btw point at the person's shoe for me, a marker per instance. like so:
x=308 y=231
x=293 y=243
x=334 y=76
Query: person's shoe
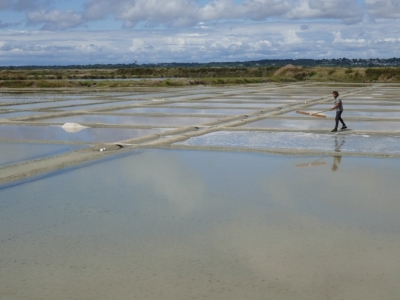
x=344 y=127
x=334 y=130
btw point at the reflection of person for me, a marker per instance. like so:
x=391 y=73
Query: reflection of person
x=337 y=159
x=336 y=162
x=339 y=110
x=338 y=145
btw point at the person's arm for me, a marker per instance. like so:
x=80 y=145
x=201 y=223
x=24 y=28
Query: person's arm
x=336 y=105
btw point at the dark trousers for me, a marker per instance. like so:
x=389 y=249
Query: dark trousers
x=339 y=118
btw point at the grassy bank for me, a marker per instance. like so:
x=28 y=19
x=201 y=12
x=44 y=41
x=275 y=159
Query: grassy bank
x=64 y=78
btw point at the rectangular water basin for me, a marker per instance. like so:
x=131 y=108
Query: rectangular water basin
x=101 y=105
x=298 y=140
x=133 y=120
x=249 y=100
x=189 y=97
x=28 y=97
x=178 y=110
x=353 y=113
x=186 y=224
x=318 y=123
x=147 y=96
x=228 y=105
x=288 y=96
x=374 y=101
x=21 y=114
x=57 y=133
x=50 y=104
x=354 y=106
x=13 y=153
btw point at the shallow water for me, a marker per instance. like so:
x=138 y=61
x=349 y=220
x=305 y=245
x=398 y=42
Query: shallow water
x=27 y=97
x=133 y=120
x=178 y=110
x=12 y=153
x=140 y=96
x=50 y=104
x=322 y=123
x=355 y=106
x=21 y=114
x=353 y=113
x=374 y=100
x=299 y=140
x=249 y=99
x=228 y=105
x=56 y=133
x=235 y=92
x=102 y=105
x=192 y=224
x=286 y=96
x=188 y=97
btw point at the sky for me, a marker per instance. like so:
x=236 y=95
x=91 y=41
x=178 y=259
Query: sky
x=65 y=32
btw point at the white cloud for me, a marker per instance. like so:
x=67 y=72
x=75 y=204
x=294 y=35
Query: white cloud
x=291 y=37
x=219 y=9
x=171 y=12
x=187 y=13
x=226 y=43
x=391 y=40
x=263 y=9
x=354 y=42
x=346 y=10
x=137 y=45
x=90 y=48
x=207 y=41
x=97 y=9
x=261 y=45
x=383 y=8
x=55 y=19
x=16 y=50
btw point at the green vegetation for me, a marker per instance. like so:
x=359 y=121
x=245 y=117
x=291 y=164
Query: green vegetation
x=181 y=76
x=383 y=74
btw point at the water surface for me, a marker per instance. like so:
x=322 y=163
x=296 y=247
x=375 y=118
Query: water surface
x=21 y=114
x=133 y=120
x=299 y=140
x=322 y=123
x=57 y=133
x=50 y=104
x=12 y=153
x=228 y=105
x=101 y=105
x=354 y=113
x=191 y=224
x=178 y=110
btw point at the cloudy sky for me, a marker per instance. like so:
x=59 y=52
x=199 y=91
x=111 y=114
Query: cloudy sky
x=62 y=32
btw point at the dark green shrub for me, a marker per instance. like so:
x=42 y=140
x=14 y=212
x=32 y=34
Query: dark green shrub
x=16 y=83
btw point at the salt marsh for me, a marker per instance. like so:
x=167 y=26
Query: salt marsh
x=194 y=197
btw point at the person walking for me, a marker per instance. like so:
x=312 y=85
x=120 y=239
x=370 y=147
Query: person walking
x=339 y=110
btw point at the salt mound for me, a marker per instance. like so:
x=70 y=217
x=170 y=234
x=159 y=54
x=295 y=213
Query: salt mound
x=73 y=127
